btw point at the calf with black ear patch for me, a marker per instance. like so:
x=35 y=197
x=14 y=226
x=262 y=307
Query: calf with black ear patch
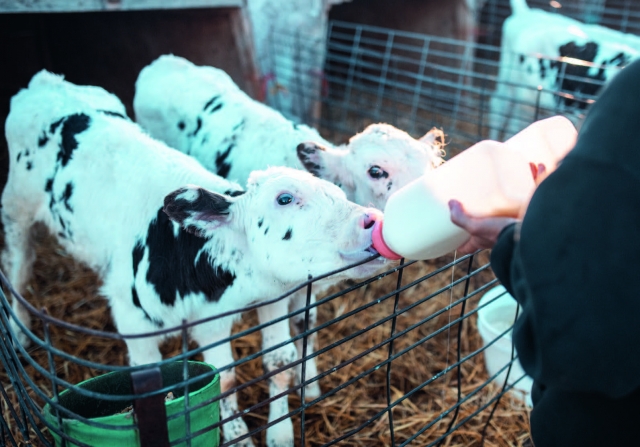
x=174 y=252
x=275 y=256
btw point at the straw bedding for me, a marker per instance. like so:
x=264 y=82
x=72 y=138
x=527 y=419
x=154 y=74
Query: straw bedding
x=68 y=291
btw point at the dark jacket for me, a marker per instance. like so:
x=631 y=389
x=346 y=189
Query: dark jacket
x=574 y=267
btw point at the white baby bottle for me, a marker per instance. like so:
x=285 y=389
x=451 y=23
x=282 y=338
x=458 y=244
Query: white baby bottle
x=489 y=179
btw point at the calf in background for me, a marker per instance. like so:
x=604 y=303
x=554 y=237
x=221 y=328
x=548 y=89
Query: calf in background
x=552 y=64
x=169 y=239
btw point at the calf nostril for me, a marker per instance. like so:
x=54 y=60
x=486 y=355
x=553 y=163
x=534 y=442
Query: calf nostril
x=369 y=221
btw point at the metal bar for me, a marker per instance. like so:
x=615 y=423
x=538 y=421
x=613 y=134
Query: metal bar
x=383 y=72
x=418 y=89
x=185 y=378
x=390 y=353
x=303 y=367
x=52 y=371
x=355 y=48
x=150 y=412
x=459 y=350
x=30 y=6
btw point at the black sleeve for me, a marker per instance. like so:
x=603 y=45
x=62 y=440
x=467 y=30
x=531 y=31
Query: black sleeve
x=502 y=255
x=575 y=271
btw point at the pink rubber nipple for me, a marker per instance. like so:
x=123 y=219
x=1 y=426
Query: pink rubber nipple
x=379 y=244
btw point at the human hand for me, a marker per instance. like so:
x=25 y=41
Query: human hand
x=484 y=231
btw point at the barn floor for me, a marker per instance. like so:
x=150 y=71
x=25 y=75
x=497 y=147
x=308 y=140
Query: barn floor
x=69 y=291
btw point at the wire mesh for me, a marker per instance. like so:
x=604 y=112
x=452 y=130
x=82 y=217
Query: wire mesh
x=416 y=82
x=412 y=307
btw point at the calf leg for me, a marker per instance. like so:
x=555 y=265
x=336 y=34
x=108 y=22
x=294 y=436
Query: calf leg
x=221 y=356
x=17 y=260
x=130 y=320
x=280 y=434
x=299 y=301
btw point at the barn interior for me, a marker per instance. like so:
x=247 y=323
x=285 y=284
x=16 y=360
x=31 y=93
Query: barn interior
x=401 y=359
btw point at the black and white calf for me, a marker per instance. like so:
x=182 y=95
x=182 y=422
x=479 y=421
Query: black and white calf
x=557 y=54
x=171 y=240
x=202 y=112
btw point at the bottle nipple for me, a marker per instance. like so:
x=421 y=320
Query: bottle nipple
x=379 y=244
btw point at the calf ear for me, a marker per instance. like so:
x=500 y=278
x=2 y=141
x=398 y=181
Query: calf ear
x=433 y=137
x=312 y=157
x=197 y=210
x=435 y=140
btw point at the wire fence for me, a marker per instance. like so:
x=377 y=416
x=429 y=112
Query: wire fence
x=377 y=326
x=416 y=82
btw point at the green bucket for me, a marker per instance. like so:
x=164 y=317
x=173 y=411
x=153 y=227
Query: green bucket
x=110 y=412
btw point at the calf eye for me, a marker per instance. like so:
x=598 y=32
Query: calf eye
x=377 y=172
x=284 y=199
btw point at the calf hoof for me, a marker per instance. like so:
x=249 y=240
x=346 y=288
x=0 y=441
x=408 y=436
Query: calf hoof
x=281 y=434
x=244 y=443
x=280 y=441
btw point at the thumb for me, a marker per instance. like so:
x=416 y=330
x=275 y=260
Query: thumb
x=458 y=215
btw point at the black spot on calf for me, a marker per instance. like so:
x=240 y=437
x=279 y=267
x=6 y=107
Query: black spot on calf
x=234 y=193
x=287 y=235
x=211 y=101
x=181 y=125
x=72 y=126
x=576 y=78
x=55 y=124
x=260 y=222
x=43 y=139
x=197 y=129
x=112 y=113
x=543 y=68
x=620 y=60
x=137 y=254
x=222 y=167
x=66 y=195
x=29 y=166
x=136 y=302
x=214 y=104
x=179 y=266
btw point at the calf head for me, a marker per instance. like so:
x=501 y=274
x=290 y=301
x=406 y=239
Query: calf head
x=287 y=226
x=375 y=163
